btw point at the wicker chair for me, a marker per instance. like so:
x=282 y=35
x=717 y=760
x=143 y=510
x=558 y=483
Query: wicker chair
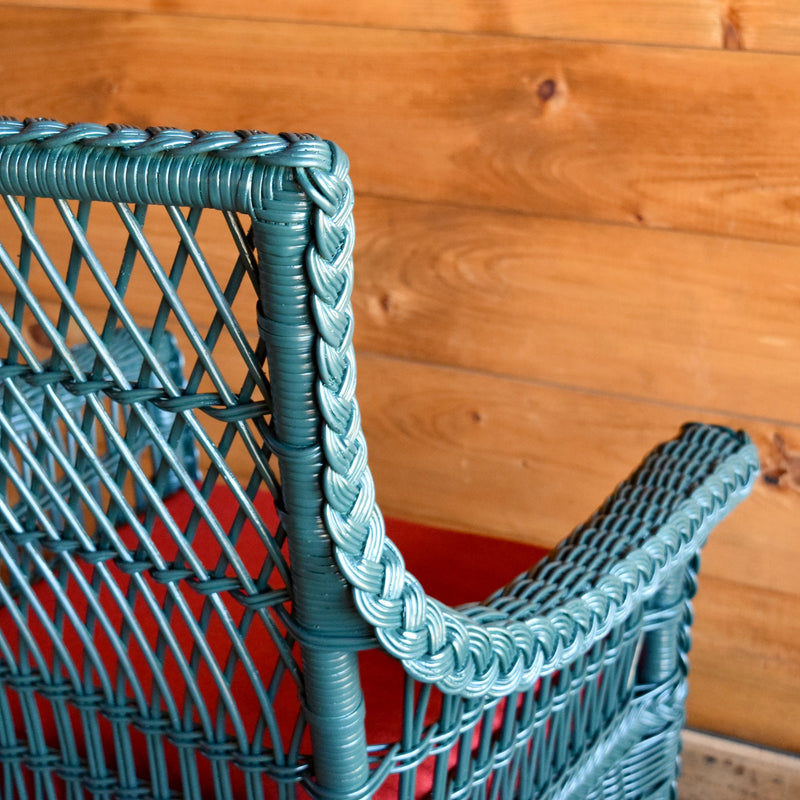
x=199 y=596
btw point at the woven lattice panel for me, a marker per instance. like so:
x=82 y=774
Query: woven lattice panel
x=138 y=632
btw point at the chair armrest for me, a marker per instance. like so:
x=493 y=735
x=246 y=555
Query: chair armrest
x=655 y=521
x=484 y=649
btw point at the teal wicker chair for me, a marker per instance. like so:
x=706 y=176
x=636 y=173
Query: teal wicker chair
x=199 y=595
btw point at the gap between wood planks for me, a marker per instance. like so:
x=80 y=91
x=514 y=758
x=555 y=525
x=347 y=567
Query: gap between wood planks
x=716 y=768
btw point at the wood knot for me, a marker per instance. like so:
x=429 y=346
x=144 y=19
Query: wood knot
x=37 y=334
x=732 y=30
x=546 y=89
x=782 y=465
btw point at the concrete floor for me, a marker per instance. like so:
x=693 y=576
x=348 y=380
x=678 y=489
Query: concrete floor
x=715 y=768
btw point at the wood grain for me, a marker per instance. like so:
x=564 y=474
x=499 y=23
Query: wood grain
x=746 y=24
x=743 y=667
x=694 y=320
x=644 y=136
x=107 y=239
x=617 y=310
x=529 y=461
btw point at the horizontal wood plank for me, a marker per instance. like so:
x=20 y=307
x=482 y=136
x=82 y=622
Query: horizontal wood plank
x=743 y=675
x=680 y=318
x=616 y=310
x=107 y=237
x=743 y=25
x=530 y=461
x=644 y=136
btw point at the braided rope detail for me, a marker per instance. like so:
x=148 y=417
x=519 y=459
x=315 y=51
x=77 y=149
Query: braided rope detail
x=481 y=649
x=287 y=150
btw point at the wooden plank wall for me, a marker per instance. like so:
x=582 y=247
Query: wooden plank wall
x=579 y=226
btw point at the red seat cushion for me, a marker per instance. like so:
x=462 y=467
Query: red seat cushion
x=457 y=567
x=453 y=567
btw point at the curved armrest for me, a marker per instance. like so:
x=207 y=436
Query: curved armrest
x=682 y=490
x=655 y=521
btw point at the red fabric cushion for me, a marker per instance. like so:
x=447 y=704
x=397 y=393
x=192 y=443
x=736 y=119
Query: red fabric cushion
x=458 y=567
x=453 y=567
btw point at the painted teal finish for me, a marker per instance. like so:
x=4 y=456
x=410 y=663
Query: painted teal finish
x=568 y=683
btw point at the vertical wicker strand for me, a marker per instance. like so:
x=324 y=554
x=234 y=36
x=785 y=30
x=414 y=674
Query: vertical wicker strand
x=333 y=702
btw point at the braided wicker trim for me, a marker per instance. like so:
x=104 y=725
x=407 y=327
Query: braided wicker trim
x=290 y=150
x=481 y=650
